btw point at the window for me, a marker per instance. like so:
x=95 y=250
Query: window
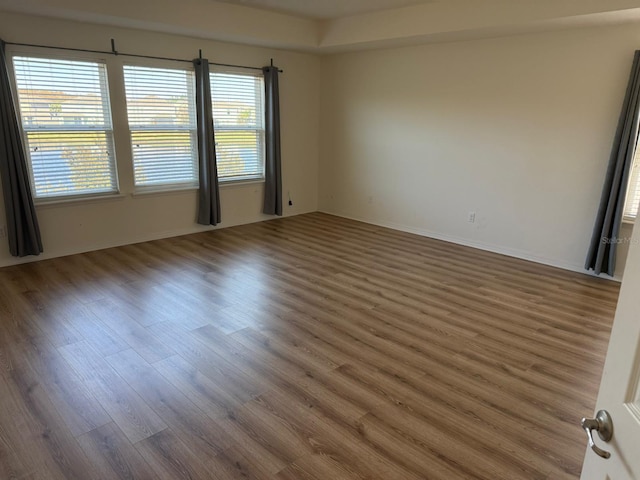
x=66 y=119
x=162 y=120
x=633 y=190
x=238 y=106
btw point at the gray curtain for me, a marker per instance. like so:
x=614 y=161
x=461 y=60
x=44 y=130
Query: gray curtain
x=272 y=168
x=209 y=194
x=22 y=224
x=602 y=252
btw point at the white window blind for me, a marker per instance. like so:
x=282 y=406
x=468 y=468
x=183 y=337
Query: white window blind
x=66 y=118
x=238 y=117
x=633 y=190
x=162 y=120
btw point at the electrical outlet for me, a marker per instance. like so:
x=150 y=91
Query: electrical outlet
x=472 y=217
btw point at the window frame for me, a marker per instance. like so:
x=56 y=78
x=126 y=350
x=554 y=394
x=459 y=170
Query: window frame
x=121 y=155
x=13 y=51
x=634 y=174
x=258 y=178
x=173 y=186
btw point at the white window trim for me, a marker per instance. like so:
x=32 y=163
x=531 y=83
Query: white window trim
x=115 y=67
x=240 y=182
x=250 y=73
x=187 y=189
x=165 y=187
x=82 y=199
x=634 y=174
x=53 y=54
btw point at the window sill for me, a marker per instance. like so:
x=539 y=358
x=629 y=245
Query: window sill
x=54 y=202
x=239 y=183
x=185 y=189
x=628 y=221
x=164 y=191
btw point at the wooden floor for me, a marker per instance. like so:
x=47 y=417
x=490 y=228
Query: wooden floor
x=311 y=347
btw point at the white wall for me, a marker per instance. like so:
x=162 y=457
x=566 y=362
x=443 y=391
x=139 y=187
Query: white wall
x=516 y=129
x=82 y=226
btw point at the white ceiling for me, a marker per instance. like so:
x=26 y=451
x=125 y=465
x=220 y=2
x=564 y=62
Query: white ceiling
x=326 y=9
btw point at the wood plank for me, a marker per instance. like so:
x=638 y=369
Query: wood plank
x=324 y=436
x=99 y=336
x=36 y=431
x=319 y=467
x=70 y=397
x=190 y=424
x=211 y=395
x=118 y=319
x=13 y=464
x=221 y=369
x=113 y=456
x=134 y=417
x=171 y=459
x=301 y=348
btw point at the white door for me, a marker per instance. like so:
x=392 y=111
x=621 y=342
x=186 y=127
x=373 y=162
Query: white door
x=620 y=387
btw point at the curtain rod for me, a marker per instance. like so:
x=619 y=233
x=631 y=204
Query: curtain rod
x=116 y=53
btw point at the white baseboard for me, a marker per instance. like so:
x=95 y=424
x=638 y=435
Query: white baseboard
x=129 y=241
x=510 y=252
x=394 y=226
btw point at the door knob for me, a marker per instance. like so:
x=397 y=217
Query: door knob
x=601 y=424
